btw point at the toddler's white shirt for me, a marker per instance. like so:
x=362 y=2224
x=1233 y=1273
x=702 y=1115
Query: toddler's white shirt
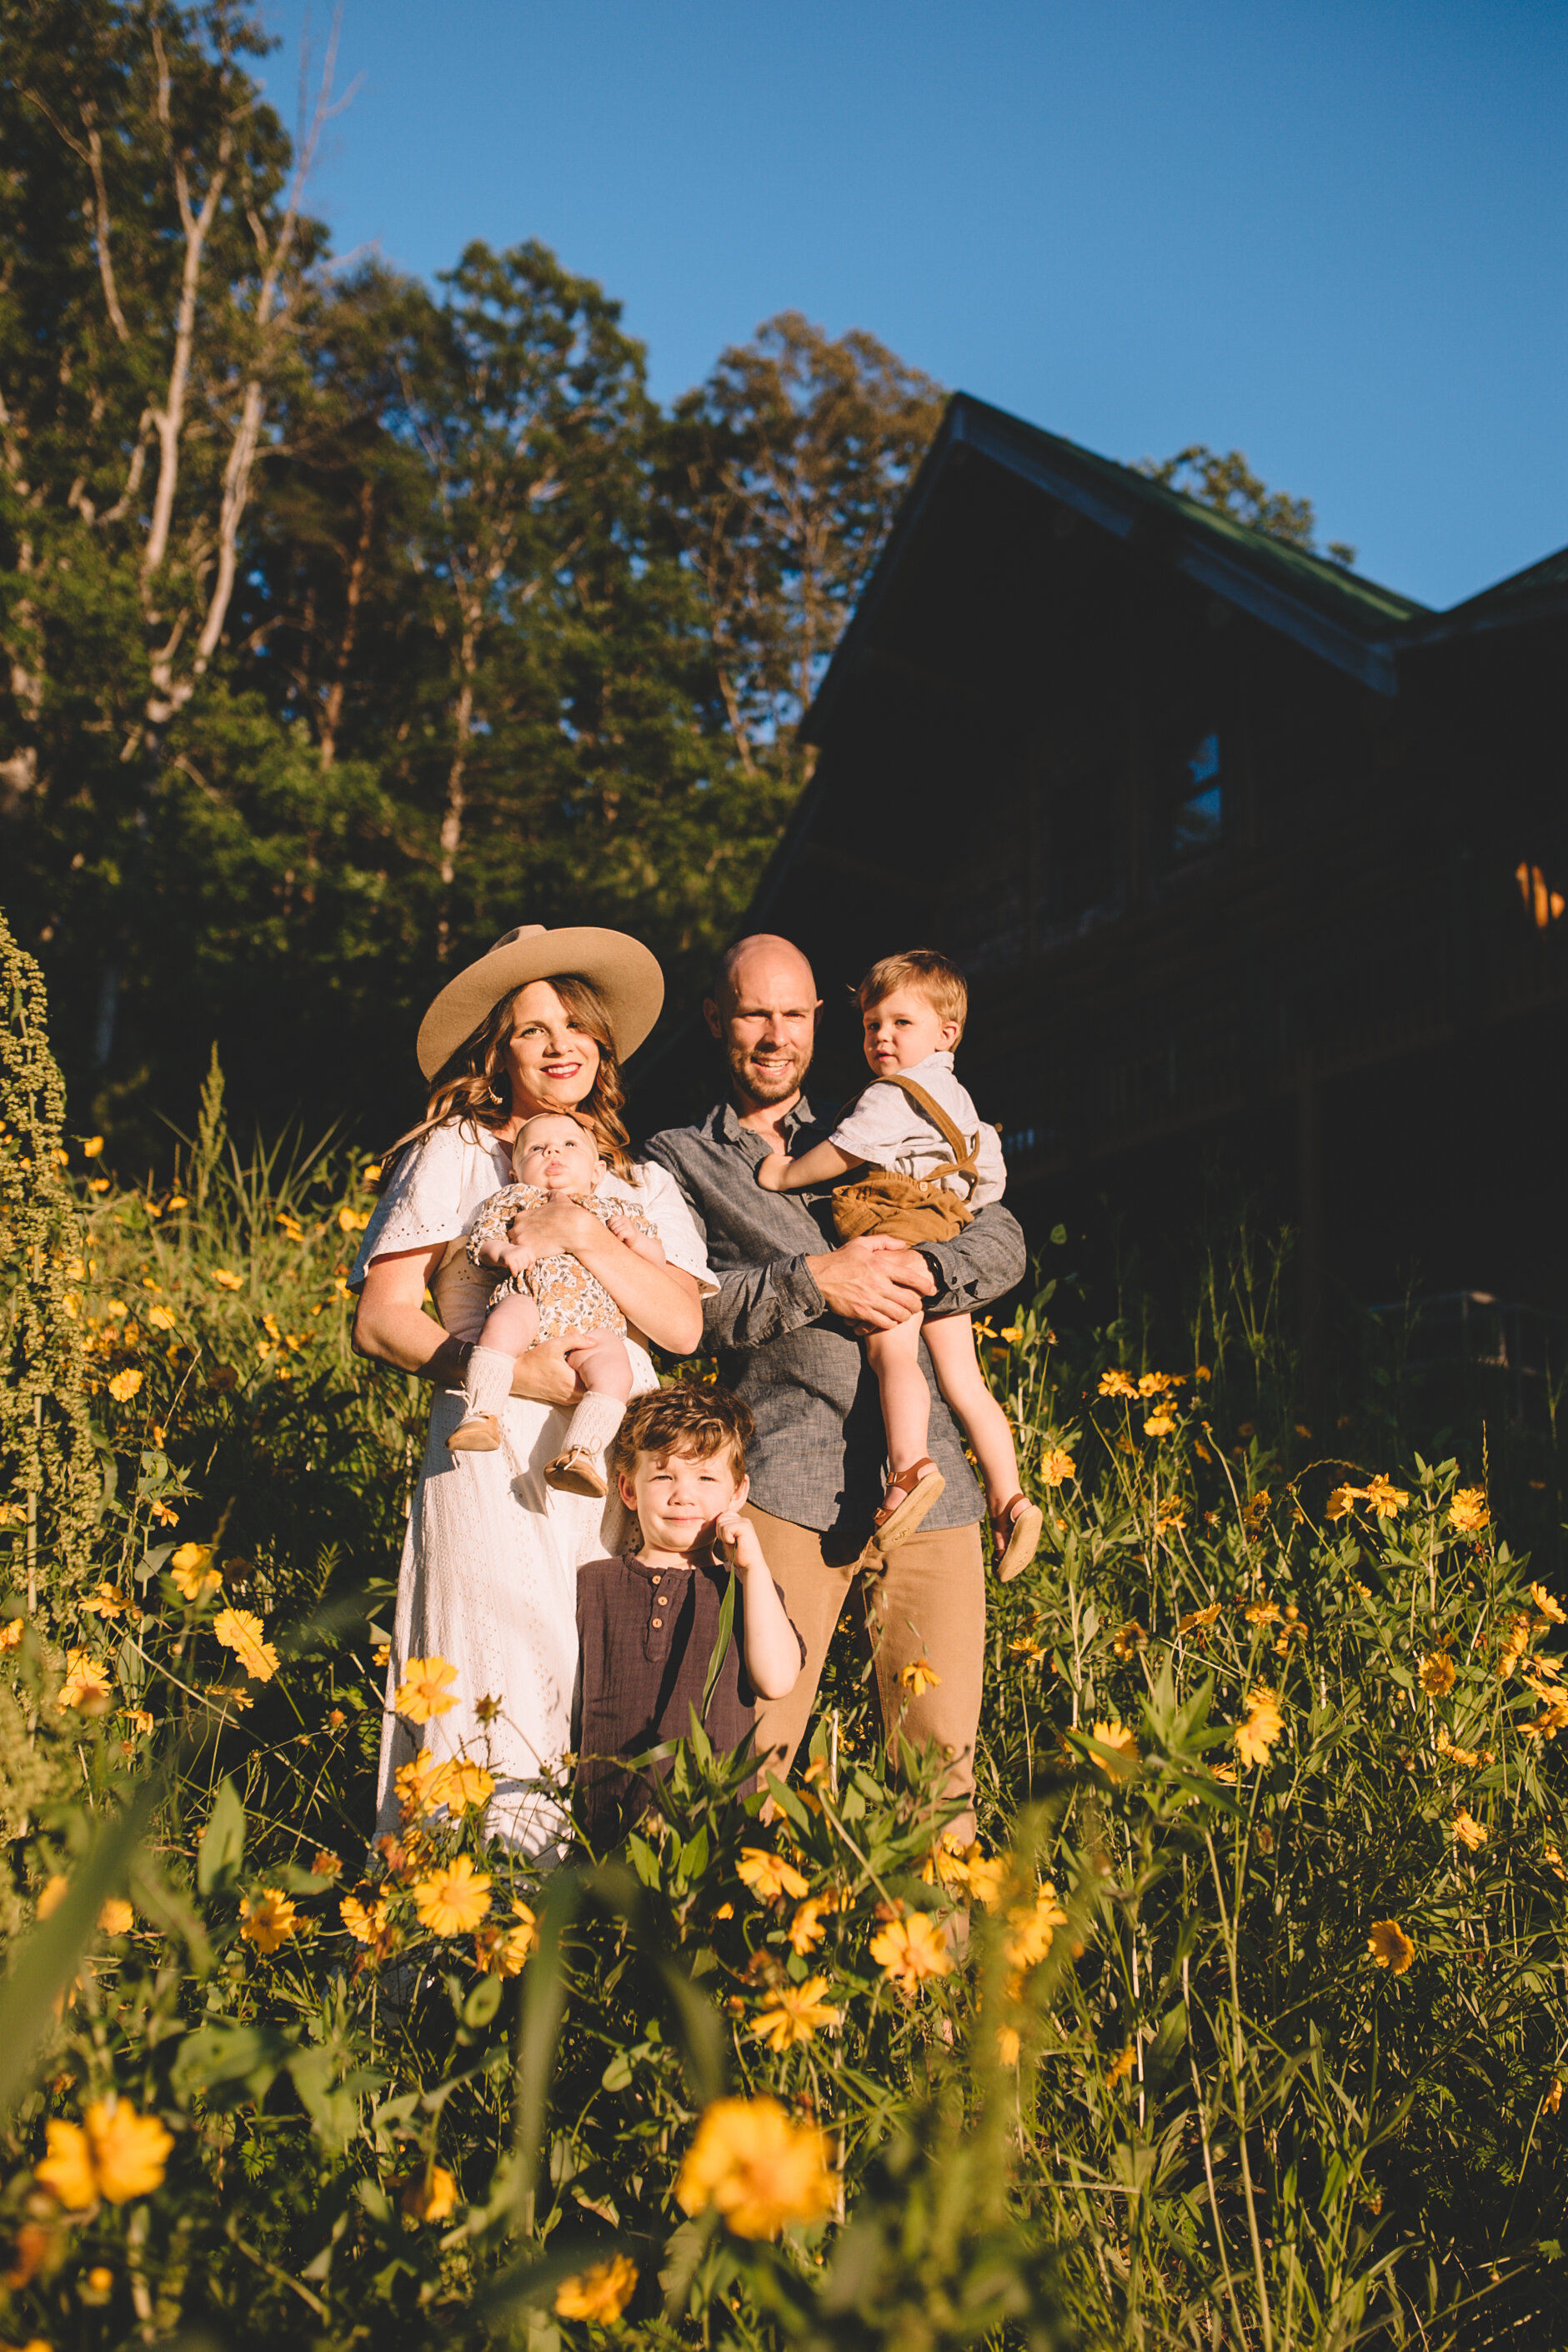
x=886 y=1128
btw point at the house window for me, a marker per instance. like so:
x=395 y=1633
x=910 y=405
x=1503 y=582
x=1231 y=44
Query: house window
x=1189 y=801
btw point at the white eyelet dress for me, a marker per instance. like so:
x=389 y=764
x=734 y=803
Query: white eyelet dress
x=488 y=1579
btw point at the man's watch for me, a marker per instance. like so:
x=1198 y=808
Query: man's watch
x=937 y=1277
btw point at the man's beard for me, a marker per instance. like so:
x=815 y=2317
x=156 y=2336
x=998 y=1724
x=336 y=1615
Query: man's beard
x=770 y=1079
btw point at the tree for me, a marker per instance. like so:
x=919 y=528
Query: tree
x=1229 y=483
x=779 y=480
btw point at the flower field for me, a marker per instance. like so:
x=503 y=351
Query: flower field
x=1243 y=2022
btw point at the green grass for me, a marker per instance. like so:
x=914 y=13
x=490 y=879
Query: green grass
x=1159 y=2093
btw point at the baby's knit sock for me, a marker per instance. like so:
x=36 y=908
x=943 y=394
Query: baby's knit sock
x=488 y=1383
x=594 y=1424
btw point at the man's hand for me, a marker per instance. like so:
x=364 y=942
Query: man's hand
x=874 y=1282
x=543 y=1375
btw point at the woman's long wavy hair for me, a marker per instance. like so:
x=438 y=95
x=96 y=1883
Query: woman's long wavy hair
x=472 y=1083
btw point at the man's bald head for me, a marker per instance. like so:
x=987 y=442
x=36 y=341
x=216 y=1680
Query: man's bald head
x=763 y=1011
x=763 y=955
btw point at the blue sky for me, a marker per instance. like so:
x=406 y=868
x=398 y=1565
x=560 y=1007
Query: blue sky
x=1333 y=234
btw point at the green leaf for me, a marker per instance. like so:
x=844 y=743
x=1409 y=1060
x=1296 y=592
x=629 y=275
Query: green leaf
x=720 y=1647
x=47 y=1960
x=222 y=2053
x=222 y=1850
x=483 y=2002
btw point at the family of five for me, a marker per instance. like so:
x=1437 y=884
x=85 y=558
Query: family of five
x=576 y=1527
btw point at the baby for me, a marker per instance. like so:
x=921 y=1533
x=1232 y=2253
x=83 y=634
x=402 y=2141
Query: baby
x=919 y=1124
x=547 y=1298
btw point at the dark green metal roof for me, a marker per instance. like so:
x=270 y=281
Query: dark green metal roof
x=1354 y=623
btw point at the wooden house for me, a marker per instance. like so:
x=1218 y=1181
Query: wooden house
x=1249 y=861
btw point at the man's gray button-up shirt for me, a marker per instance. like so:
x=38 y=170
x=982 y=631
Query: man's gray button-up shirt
x=819 y=1456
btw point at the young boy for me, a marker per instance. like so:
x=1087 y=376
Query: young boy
x=554 y=1155
x=647 y=1624
x=913 y=1009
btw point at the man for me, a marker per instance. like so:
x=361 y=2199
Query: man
x=784 y=1326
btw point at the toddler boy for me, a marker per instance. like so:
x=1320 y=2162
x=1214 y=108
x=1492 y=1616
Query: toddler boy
x=919 y=1126
x=647 y=1622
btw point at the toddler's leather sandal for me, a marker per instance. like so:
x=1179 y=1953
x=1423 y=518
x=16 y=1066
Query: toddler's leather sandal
x=479 y=1434
x=576 y=1472
x=919 y=1487
x=1016 y=1532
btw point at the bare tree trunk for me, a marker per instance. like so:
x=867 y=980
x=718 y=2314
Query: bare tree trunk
x=333 y=711
x=456 y=794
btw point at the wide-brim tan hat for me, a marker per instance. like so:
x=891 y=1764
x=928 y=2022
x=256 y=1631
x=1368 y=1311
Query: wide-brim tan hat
x=625 y=973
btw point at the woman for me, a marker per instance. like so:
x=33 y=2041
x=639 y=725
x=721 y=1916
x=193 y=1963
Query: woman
x=489 y=1563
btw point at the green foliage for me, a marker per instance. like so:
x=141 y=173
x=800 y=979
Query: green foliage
x=347 y=621
x=1228 y=483
x=48 y=1477
x=1247 y=1708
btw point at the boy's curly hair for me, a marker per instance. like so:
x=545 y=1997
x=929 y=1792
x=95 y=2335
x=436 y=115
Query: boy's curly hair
x=684 y=1419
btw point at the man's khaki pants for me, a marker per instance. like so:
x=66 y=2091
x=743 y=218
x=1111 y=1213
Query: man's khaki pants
x=926 y=1602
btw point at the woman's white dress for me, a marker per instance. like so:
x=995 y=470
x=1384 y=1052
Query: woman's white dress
x=488 y=1579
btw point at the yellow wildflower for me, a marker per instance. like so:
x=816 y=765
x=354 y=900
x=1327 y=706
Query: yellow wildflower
x=363 y=1921
x=227 y=1281
x=1552 y=2097
x=1031 y=1928
x=1552 y=1610
x=1115 y=1735
x=1516 y=1640
x=1262 y=1612
x=1009 y=2043
x=1122 y=2065
x=423 y=1693
x=1118 y=1385
x=87 y=1686
x=1390 y=1947
x=503 y=1951
x=1198 y=1617
x=911 y=1950
x=270 y=1920
x=1031 y=1652
x=1344 y=1500
x=1467 y=1758
x=1129 y=1639
x=117 y=1917
x=1159 y=1424
x=124 y=1385
x=806 y=1928
x=240 y=1630
x=52 y=1893
x=769 y=1876
x=988 y=1875
x=1468 y=1830
x=461 y=1785
x=1262 y=1725
x=1554 y=1860
x=1057 y=1467
x=192 y=1571
x=113 y=2152
x=1385 y=1498
x=429 y=2196
x=161 y=1318
x=1438 y=1674
x=795 y=2013
x=1468 y=1513
x=918 y=1676
x=11 y=1633
x=91 y=1147
x=1155 y=1383
x=452 y=1901
x=107 y=1602
x=415 y=1783
x=758 y=2166
x=602 y=2291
